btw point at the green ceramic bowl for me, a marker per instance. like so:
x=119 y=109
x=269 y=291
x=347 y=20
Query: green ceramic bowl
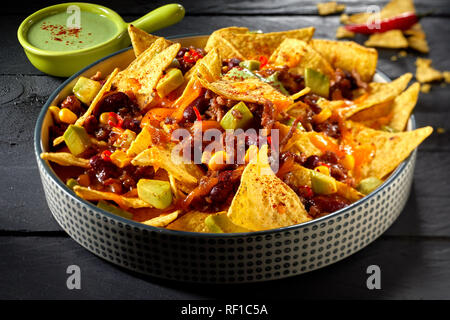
x=66 y=63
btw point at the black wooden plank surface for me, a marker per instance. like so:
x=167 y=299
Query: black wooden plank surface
x=413 y=254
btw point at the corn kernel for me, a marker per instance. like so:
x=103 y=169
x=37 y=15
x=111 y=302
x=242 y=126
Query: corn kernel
x=218 y=161
x=120 y=158
x=67 y=116
x=322 y=116
x=252 y=153
x=323 y=169
x=104 y=117
x=348 y=161
x=54 y=110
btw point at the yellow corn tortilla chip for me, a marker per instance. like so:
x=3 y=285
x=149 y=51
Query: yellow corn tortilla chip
x=95 y=195
x=254 y=45
x=167 y=158
x=403 y=106
x=142 y=40
x=163 y=220
x=298 y=55
x=300 y=142
x=390 y=39
x=142 y=142
x=263 y=201
x=210 y=66
x=65 y=159
x=192 y=221
x=327 y=8
x=247 y=90
x=392 y=9
x=301 y=176
x=142 y=75
x=446 y=75
x=378 y=93
x=426 y=73
x=106 y=87
x=418 y=43
x=348 y=55
x=218 y=39
x=390 y=148
x=342 y=33
x=374 y=112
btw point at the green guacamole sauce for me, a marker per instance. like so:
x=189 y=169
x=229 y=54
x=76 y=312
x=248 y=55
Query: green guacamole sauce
x=52 y=33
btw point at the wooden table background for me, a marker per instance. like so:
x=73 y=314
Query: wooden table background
x=414 y=254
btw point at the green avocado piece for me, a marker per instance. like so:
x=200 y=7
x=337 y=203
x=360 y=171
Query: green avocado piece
x=274 y=82
x=220 y=223
x=86 y=89
x=318 y=82
x=368 y=185
x=71 y=183
x=171 y=80
x=155 y=192
x=76 y=139
x=322 y=184
x=251 y=65
x=239 y=74
x=113 y=209
x=229 y=121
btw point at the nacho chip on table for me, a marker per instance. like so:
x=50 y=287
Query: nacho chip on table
x=425 y=72
x=65 y=159
x=327 y=8
x=263 y=201
x=403 y=106
x=192 y=221
x=390 y=148
x=390 y=39
x=298 y=55
x=348 y=55
x=342 y=33
x=142 y=75
x=142 y=40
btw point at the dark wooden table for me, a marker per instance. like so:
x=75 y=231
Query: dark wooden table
x=414 y=254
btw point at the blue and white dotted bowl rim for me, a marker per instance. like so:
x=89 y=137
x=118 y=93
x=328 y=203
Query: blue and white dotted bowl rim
x=38 y=147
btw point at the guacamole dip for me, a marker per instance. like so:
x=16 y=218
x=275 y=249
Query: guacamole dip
x=52 y=32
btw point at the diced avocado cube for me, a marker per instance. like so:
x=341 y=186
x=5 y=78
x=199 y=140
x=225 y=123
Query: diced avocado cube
x=274 y=82
x=171 y=80
x=239 y=74
x=113 y=209
x=220 y=223
x=318 y=82
x=322 y=184
x=86 y=89
x=250 y=64
x=71 y=183
x=238 y=116
x=76 y=139
x=155 y=192
x=290 y=122
x=368 y=185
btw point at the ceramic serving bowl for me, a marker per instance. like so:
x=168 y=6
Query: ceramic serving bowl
x=212 y=257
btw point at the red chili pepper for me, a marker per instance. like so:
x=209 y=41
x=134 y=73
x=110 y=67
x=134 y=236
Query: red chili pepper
x=401 y=22
x=192 y=56
x=320 y=163
x=115 y=120
x=197 y=114
x=263 y=61
x=269 y=140
x=106 y=155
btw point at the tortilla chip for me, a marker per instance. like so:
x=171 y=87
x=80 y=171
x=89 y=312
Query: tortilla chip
x=167 y=158
x=419 y=44
x=426 y=73
x=263 y=201
x=348 y=55
x=327 y=8
x=247 y=90
x=377 y=111
x=403 y=106
x=389 y=39
x=378 y=93
x=105 y=88
x=298 y=55
x=142 y=75
x=193 y=221
x=210 y=65
x=300 y=142
x=123 y=202
x=163 y=220
x=255 y=45
x=342 y=33
x=446 y=75
x=65 y=159
x=425 y=88
x=142 y=40
x=390 y=148
x=218 y=39
x=301 y=176
x=392 y=9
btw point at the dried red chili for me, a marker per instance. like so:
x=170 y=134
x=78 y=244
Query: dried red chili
x=263 y=61
x=197 y=114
